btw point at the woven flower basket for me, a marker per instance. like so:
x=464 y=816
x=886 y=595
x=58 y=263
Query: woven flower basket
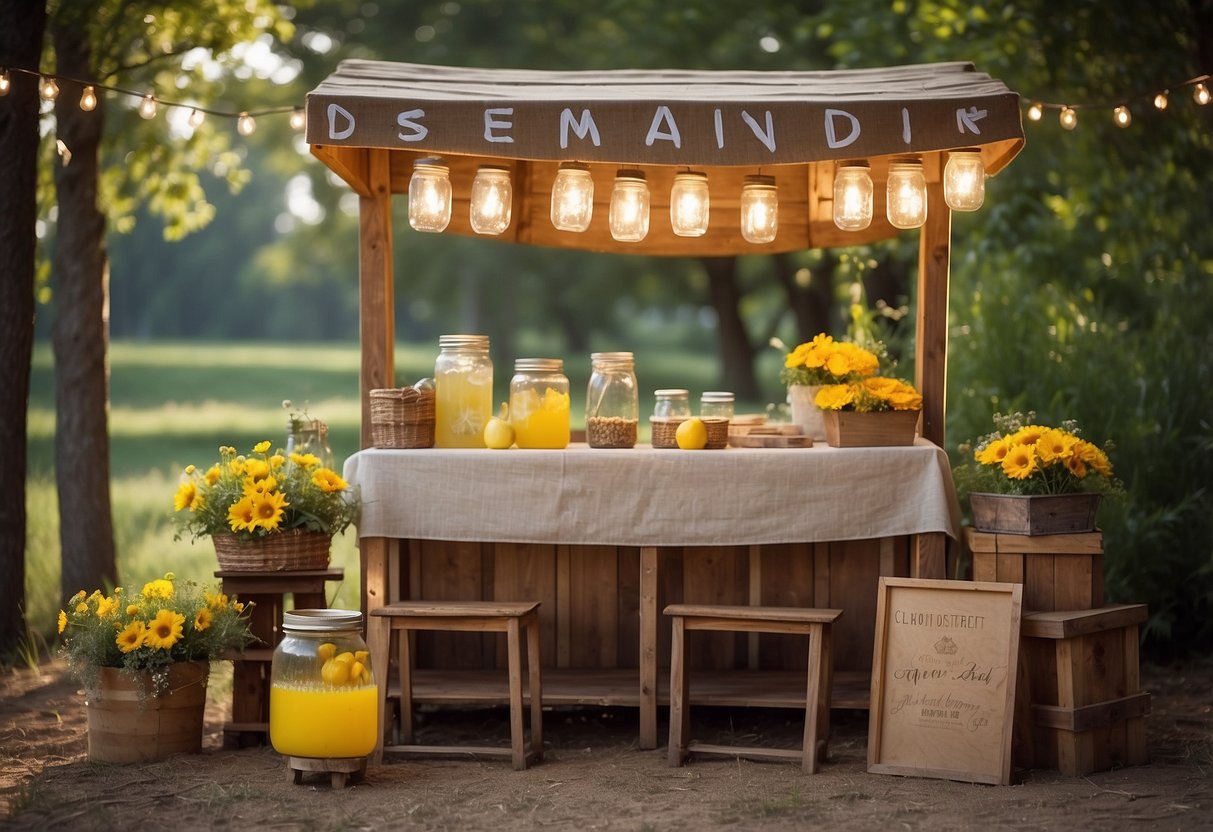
x=402 y=417
x=294 y=550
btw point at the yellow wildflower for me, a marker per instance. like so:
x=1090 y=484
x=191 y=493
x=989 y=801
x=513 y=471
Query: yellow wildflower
x=106 y=607
x=267 y=510
x=1020 y=462
x=132 y=636
x=328 y=481
x=261 y=447
x=62 y=621
x=187 y=496
x=164 y=630
x=203 y=619
x=242 y=516
x=159 y=588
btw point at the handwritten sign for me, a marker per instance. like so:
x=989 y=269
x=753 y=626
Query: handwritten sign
x=943 y=679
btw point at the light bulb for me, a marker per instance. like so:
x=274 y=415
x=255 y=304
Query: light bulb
x=196 y=118
x=906 y=194
x=964 y=180
x=6 y=83
x=1160 y=100
x=430 y=195
x=1200 y=94
x=88 y=99
x=245 y=124
x=629 y=215
x=572 y=197
x=853 y=196
x=48 y=90
x=689 y=204
x=1122 y=116
x=492 y=199
x=1035 y=111
x=759 y=209
x=298 y=119
x=1068 y=118
x=147 y=107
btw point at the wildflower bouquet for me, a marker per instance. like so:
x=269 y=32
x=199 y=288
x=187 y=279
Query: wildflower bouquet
x=166 y=622
x=261 y=494
x=869 y=395
x=826 y=361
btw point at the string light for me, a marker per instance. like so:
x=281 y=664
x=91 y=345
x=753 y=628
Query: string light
x=48 y=90
x=853 y=196
x=245 y=124
x=906 y=194
x=1122 y=116
x=1068 y=118
x=1201 y=94
x=1036 y=111
x=195 y=119
x=147 y=107
x=1160 y=100
x=689 y=204
x=491 y=200
x=572 y=197
x=629 y=213
x=298 y=119
x=430 y=195
x=759 y=209
x=88 y=99
x=5 y=82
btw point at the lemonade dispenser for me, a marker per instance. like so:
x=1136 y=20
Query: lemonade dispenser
x=463 y=391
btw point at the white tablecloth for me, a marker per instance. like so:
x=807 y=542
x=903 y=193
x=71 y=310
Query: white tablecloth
x=655 y=497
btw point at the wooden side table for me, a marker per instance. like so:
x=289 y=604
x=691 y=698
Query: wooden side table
x=250 y=723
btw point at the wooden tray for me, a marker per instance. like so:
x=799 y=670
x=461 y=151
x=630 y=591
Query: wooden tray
x=760 y=440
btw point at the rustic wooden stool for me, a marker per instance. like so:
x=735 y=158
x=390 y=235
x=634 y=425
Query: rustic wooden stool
x=399 y=618
x=341 y=769
x=811 y=622
x=250 y=723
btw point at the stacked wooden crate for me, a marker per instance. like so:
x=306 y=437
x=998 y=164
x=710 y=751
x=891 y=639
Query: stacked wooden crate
x=1080 y=708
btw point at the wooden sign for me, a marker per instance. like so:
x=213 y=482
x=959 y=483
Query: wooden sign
x=943 y=679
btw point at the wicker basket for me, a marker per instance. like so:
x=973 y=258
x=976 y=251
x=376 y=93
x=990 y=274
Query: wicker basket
x=402 y=417
x=664 y=433
x=295 y=549
x=718 y=433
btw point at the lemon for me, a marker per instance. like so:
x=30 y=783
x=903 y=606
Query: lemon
x=692 y=435
x=498 y=432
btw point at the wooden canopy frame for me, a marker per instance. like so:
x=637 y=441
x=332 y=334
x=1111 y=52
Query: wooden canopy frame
x=371 y=120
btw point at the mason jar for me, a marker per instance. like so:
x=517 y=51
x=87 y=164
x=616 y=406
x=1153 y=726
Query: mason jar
x=612 y=409
x=539 y=403
x=323 y=698
x=672 y=403
x=463 y=391
x=309 y=436
x=716 y=405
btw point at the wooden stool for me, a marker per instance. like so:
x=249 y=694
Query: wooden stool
x=476 y=616
x=250 y=724
x=811 y=622
x=341 y=769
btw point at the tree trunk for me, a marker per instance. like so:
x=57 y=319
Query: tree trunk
x=736 y=354
x=80 y=281
x=21 y=30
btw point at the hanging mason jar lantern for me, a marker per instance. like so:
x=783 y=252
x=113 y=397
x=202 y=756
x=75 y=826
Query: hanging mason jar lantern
x=430 y=195
x=906 y=194
x=572 y=197
x=759 y=209
x=492 y=197
x=964 y=180
x=629 y=219
x=852 y=196
x=689 y=204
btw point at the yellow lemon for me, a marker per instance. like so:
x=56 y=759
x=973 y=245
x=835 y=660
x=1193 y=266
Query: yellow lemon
x=326 y=651
x=692 y=435
x=498 y=434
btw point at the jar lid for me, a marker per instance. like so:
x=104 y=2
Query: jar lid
x=321 y=621
x=480 y=342
x=716 y=396
x=612 y=359
x=538 y=365
x=672 y=393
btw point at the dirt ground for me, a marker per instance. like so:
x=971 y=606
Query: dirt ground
x=593 y=777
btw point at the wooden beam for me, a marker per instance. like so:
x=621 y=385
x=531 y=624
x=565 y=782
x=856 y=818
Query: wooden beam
x=377 y=331
x=350 y=163
x=931 y=344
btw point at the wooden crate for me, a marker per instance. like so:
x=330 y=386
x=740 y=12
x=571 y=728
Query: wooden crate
x=1058 y=571
x=1080 y=708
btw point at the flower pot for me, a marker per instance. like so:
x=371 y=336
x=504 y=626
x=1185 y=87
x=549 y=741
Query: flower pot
x=1034 y=514
x=128 y=724
x=294 y=549
x=805 y=413
x=885 y=428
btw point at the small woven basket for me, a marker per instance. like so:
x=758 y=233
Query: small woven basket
x=402 y=417
x=718 y=433
x=296 y=549
x=662 y=432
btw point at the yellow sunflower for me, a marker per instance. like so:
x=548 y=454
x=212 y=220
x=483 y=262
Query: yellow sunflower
x=255 y=487
x=187 y=496
x=1020 y=462
x=131 y=637
x=834 y=396
x=993 y=453
x=267 y=510
x=305 y=460
x=212 y=474
x=1027 y=435
x=1055 y=445
x=328 y=481
x=242 y=515
x=164 y=630
x=106 y=607
x=203 y=619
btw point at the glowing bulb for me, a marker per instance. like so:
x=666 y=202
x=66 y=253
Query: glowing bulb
x=1035 y=111
x=298 y=119
x=1122 y=116
x=430 y=195
x=1200 y=94
x=1160 y=101
x=629 y=215
x=88 y=100
x=48 y=90
x=572 y=197
x=5 y=83
x=245 y=124
x=759 y=209
x=964 y=180
x=689 y=204
x=853 y=197
x=492 y=199
x=147 y=107
x=196 y=118
x=1068 y=118
x=906 y=194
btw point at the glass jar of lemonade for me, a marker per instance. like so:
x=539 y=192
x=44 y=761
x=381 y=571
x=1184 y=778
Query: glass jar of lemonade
x=612 y=408
x=323 y=698
x=539 y=403
x=463 y=391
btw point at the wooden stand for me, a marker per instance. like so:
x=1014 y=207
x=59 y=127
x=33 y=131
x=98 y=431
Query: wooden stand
x=342 y=769
x=267 y=592
x=1083 y=711
x=1058 y=571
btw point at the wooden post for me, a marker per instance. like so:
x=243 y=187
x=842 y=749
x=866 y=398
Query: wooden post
x=376 y=298
x=931 y=344
x=648 y=647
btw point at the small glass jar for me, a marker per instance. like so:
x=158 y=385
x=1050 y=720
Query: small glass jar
x=430 y=195
x=611 y=406
x=716 y=405
x=323 y=698
x=539 y=403
x=309 y=436
x=492 y=200
x=674 y=403
x=463 y=391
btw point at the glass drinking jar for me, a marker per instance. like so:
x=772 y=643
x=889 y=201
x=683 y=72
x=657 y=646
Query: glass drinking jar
x=672 y=404
x=716 y=405
x=323 y=698
x=539 y=403
x=463 y=391
x=309 y=436
x=611 y=405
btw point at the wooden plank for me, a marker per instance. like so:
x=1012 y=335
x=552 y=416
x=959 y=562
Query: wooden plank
x=1009 y=568
x=527 y=572
x=715 y=575
x=931 y=317
x=593 y=607
x=985 y=566
x=564 y=646
x=821 y=575
x=349 y=163
x=929 y=558
x=755 y=586
x=627 y=646
x=648 y=648
x=376 y=304
x=1097 y=715
x=669 y=591
x=787 y=581
x=1038 y=583
x=1082 y=543
x=854 y=577
x=1135 y=751
x=451 y=571
x=1065 y=624
x=734 y=616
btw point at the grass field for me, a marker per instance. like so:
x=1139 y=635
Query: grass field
x=173 y=404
